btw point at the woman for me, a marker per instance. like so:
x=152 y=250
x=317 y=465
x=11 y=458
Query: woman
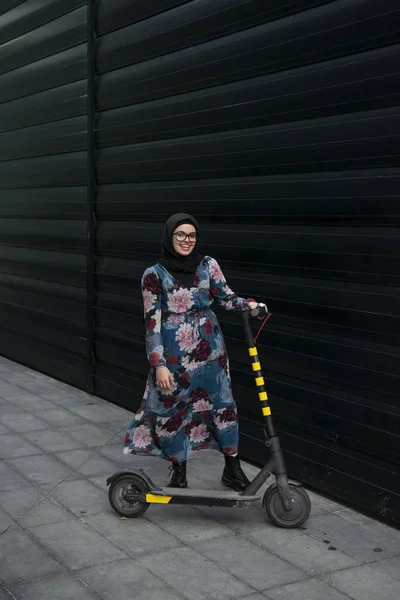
x=188 y=403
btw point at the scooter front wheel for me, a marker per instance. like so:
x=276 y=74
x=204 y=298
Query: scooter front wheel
x=120 y=492
x=300 y=506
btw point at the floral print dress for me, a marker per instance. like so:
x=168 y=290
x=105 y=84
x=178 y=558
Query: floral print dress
x=183 y=334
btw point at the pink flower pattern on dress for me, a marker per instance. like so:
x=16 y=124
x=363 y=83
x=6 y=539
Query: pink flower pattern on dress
x=190 y=364
x=186 y=338
x=216 y=272
x=142 y=437
x=198 y=433
x=148 y=301
x=202 y=406
x=180 y=301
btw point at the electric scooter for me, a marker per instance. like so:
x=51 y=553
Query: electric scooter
x=286 y=503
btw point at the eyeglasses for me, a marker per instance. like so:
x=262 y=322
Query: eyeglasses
x=181 y=236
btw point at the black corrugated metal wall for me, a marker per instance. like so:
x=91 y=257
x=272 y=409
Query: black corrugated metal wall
x=276 y=124
x=43 y=172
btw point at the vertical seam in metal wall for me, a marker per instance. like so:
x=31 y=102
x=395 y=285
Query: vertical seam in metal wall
x=91 y=190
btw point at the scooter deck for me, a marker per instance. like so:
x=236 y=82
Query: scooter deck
x=193 y=496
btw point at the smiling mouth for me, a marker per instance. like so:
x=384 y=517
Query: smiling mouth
x=185 y=247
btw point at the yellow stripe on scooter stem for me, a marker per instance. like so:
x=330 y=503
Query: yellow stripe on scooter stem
x=263 y=395
x=266 y=411
x=253 y=351
x=256 y=366
x=158 y=499
x=260 y=381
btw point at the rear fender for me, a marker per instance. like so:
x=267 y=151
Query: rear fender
x=139 y=473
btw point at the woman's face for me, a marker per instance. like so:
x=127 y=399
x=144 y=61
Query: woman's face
x=184 y=239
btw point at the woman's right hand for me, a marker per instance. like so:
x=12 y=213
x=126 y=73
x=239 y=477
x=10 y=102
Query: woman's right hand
x=164 y=379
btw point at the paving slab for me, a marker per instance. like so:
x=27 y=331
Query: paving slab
x=360 y=519
x=41 y=469
x=36 y=386
x=57 y=587
x=194 y=575
x=44 y=512
x=75 y=458
x=365 y=583
x=59 y=417
x=186 y=523
x=4 y=595
x=33 y=404
x=91 y=466
x=125 y=579
x=65 y=399
x=22 y=421
x=54 y=394
x=15 y=446
x=10 y=409
x=117 y=427
x=366 y=543
x=254 y=565
x=5 y=521
x=10 y=478
x=9 y=391
x=242 y=520
x=310 y=589
x=76 y=544
x=22 y=558
x=389 y=566
x=95 y=413
x=18 y=502
x=4 y=430
x=89 y=434
x=100 y=481
x=52 y=440
x=81 y=498
x=134 y=536
x=305 y=552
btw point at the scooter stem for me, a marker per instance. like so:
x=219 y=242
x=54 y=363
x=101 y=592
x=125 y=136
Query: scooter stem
x=258 y=376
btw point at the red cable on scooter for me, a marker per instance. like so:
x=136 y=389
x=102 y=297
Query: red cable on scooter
x=261 y=327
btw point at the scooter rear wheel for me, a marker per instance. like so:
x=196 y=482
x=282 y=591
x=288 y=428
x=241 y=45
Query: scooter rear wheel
x=300 y=503
x=118 y=495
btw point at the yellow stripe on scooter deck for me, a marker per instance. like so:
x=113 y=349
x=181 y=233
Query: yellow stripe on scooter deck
x=266 y=411
x=158 y=499
x=256 y=366
x=253 y=351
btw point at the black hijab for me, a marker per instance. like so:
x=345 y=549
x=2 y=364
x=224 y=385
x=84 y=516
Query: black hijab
x=183 y=268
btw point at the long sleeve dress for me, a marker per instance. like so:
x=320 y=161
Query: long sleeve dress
x=183 y=333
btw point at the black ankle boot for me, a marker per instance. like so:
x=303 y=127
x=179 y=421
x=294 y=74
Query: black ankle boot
x=178 y=479
x=233 y=475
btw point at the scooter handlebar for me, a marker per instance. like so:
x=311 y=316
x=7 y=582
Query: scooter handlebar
x=260 y=312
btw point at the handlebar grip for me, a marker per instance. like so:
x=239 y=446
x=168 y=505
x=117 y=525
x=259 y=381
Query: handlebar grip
x=260 y=312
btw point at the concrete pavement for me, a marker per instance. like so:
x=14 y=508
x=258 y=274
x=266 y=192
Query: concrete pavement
x=59 y=538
